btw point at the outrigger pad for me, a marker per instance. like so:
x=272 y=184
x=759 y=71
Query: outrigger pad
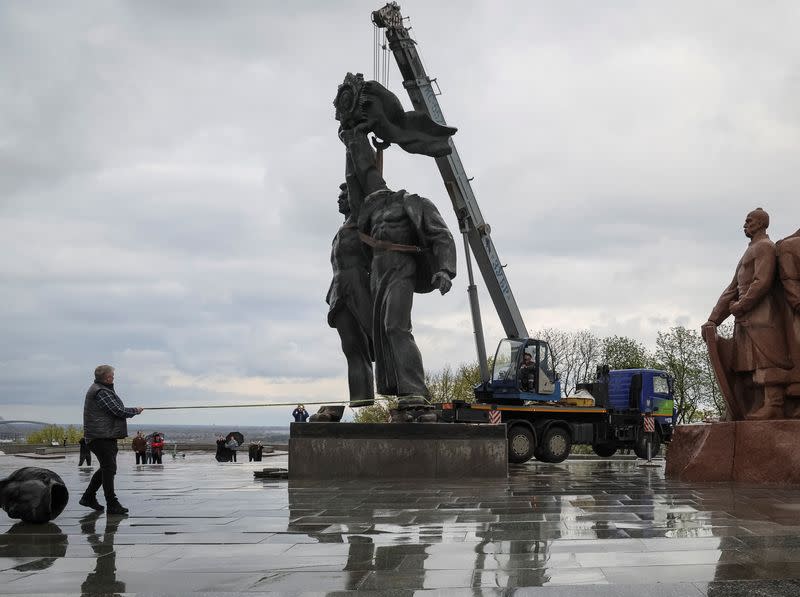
x=33 y=494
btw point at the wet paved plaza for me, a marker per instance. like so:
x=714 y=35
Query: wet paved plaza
x=599 y=528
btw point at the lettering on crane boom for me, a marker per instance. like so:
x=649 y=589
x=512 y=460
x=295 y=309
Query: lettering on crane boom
x=496 y=266
x=433 y=105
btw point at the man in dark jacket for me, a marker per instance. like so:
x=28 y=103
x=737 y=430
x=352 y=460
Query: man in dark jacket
x=104 y=422
x=139 y=446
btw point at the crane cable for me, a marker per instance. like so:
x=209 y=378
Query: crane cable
x=381 y=62
x=374 y=52
x=386 y=59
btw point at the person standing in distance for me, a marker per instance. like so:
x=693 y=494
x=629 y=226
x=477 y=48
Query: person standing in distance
x=104 y=422
x=139 y=445
x=300 y=414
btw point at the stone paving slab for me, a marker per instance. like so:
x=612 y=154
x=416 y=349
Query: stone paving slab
x=579 y=528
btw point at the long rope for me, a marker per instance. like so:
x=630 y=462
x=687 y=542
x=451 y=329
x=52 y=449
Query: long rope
x=241 y=405
x=330 y=402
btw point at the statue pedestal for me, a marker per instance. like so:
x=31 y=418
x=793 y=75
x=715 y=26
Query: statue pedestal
x=397 y=451
x=761 y=452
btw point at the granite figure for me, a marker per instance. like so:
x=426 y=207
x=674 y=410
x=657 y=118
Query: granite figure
x=33 y=494
x=789 y=273
x=349 y=299
x=753 y=368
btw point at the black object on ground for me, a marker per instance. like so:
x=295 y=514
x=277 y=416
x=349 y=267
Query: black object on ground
x=33 y=494
x=272 y=473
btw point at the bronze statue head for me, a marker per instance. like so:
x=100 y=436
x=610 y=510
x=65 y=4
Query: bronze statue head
x=33 y=494
x=344 y=203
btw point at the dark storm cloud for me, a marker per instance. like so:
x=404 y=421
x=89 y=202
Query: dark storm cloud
x=169 y=172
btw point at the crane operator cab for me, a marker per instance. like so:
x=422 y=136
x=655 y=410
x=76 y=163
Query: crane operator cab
x=522 y=371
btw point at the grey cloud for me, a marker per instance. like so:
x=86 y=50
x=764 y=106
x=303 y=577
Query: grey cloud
x=169 y=171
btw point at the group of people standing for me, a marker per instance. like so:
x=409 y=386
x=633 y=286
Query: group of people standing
x=226 y=449
x=148 y=449
x=255 y=451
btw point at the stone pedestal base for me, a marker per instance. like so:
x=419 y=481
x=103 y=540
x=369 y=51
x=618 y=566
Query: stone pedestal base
x=397 y=451
x=763 y=452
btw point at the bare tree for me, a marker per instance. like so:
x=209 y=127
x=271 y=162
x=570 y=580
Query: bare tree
x=558 y=340
x=588 y=349
x=575 y=355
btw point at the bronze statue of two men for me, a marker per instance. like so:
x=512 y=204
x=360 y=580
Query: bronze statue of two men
x=392 y=244
x=758 y=370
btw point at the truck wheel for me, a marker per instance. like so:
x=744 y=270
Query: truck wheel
x=521 y=444
x=604 y=450
x=640 y=447
x=537 y=454
x=556 y=444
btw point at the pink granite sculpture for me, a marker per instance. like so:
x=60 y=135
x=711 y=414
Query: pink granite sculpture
x=758 y=370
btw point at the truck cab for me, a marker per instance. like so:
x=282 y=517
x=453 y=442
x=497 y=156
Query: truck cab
x=522 y=371
x=644 y=391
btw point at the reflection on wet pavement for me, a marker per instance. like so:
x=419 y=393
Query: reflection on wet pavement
x=578 y=528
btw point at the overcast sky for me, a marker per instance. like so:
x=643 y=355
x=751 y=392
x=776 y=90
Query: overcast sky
x=169 y=173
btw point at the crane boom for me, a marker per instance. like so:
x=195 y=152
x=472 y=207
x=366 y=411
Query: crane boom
x=471 y=222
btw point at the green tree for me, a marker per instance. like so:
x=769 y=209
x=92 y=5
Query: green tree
x=377 y=413
x=713 y=398
x=621 y=352
x=447 y=385
x=57 y=433
x=682 y=353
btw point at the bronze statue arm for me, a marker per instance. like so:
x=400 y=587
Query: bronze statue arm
x=441 y=243
x=362 y=157
x=442 y=281
x=355 y=194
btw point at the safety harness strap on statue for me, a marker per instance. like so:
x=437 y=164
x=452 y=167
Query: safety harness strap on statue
x=388 y=246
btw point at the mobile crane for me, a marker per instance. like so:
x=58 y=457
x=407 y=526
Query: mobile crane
x=538 y=422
